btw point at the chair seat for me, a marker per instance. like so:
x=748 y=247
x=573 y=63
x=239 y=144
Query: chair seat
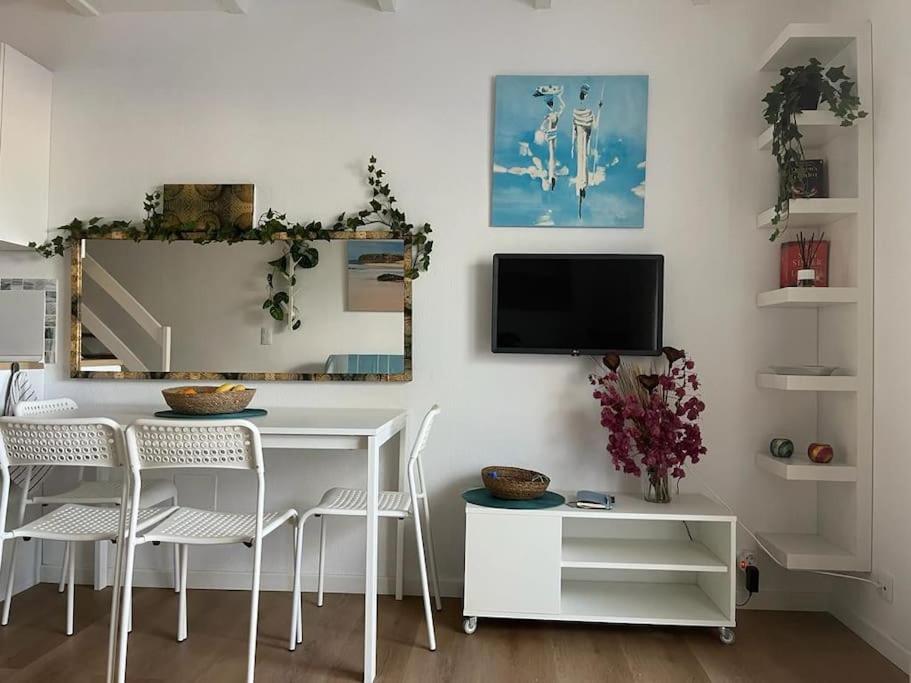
x=154 y=491
x=339 y=501
x=85 y=523
x=205 y=527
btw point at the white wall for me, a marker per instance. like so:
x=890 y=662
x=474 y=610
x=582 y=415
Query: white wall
x=888 y=626
x=295 y=97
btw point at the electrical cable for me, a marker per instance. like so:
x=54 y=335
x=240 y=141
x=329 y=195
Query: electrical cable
x=861 y=579
x=749 y=597
x=688 y=532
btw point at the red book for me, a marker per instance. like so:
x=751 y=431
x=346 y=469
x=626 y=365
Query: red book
x=790 y=264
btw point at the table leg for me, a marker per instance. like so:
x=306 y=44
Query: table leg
x=101 y=565
x=101 y=572
x=370 y=611
x=400 y=524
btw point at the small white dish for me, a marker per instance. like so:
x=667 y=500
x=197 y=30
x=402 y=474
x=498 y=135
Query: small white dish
x=806 y=370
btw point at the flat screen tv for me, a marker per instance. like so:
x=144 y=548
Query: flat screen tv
x=578 y=304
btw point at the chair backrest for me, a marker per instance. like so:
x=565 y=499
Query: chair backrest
x=49 y=406
x=423 y=434
x=219 y=444
x=80 y=442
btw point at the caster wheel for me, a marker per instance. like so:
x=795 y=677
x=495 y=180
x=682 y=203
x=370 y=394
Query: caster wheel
x=470 y=625
x=726 y=635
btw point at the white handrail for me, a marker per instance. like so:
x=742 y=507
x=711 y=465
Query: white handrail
x=160 y=333
x=113 y=343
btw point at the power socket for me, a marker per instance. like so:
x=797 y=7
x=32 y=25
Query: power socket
x=265 y=336
x=884 y=590
x=745 y=558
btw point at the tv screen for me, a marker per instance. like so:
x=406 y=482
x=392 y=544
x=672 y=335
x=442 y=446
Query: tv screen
x=578 y=303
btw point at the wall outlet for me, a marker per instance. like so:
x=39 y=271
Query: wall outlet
x=746 y=558
x=265 y=336
x=884 y=590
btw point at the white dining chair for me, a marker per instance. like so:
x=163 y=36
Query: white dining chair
x=344 y=502
x=210 y=444
x=84 y=493
x=74 y=442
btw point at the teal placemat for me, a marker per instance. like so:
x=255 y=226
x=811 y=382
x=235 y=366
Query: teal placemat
x=249 y=412
x=488 y=500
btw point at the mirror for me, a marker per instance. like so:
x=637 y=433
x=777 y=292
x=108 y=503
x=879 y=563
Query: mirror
x=181 y=310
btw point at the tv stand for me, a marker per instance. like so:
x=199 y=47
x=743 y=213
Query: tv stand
x=635 y=564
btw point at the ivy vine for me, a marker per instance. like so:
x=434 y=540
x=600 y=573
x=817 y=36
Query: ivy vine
x=783 y=104
x=380 y=214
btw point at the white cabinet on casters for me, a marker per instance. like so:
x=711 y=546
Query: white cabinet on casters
x=640 y=563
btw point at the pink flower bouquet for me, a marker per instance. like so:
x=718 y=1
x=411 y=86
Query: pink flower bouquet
x=653 y=419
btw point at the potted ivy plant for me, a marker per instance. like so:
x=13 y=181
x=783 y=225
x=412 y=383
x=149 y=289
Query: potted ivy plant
x=802 y=88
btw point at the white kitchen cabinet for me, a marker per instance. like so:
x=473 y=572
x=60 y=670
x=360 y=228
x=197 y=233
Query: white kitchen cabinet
x=25 y=148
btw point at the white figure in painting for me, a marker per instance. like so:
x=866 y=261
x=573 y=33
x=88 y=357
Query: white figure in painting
x=547 y=131
x=585 y=123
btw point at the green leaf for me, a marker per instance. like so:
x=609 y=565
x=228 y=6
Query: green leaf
x=277 y=313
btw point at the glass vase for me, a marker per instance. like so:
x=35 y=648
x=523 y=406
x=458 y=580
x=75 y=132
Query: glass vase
x=656 y=487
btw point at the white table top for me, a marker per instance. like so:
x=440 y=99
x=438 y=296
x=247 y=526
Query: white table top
x=285 y=421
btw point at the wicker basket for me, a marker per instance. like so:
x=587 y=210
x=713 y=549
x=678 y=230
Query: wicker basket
x=206 y=402
x=514 y=483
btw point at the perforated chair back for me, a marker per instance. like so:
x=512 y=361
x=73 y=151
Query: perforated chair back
x=220 y=444
x=416 y=481
x=78 y=442
x=50 y=406
x=420 y=443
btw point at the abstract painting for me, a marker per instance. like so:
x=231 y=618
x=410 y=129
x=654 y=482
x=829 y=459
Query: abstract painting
x=376 y=275
x=208 y=206
x=569 y=151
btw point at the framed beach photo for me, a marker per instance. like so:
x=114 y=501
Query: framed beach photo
x=569 y=151
x=376 y=275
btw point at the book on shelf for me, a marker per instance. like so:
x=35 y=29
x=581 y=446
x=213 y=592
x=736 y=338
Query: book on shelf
x=810 y=182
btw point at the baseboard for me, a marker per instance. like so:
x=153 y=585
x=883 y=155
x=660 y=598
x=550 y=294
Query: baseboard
x=880 y=641
x=788 y=601
x=271 y=581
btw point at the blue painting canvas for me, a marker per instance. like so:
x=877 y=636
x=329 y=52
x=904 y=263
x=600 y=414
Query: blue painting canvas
x=569 y=151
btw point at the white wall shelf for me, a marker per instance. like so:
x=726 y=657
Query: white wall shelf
x=640 y=554
x=799 y=42
x=818 y=128
x=810 y=551
x=807 y=297
x=800 y=468
x=839 y=518
x=810 y=213
x=769 y=380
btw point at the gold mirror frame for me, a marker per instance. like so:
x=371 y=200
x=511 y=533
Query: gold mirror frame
x=76 y=327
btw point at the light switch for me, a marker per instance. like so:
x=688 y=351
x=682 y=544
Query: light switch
x=265 y=336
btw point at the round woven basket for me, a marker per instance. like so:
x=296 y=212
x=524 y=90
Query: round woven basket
x=206 y=402
x=514 y=483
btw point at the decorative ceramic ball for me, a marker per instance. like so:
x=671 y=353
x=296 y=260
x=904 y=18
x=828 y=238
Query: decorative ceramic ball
x=820 y=453
x=781 y=448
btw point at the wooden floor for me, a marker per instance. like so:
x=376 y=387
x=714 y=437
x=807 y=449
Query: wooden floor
x=771 y=646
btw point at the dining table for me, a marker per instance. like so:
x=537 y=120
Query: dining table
x=363 y=430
